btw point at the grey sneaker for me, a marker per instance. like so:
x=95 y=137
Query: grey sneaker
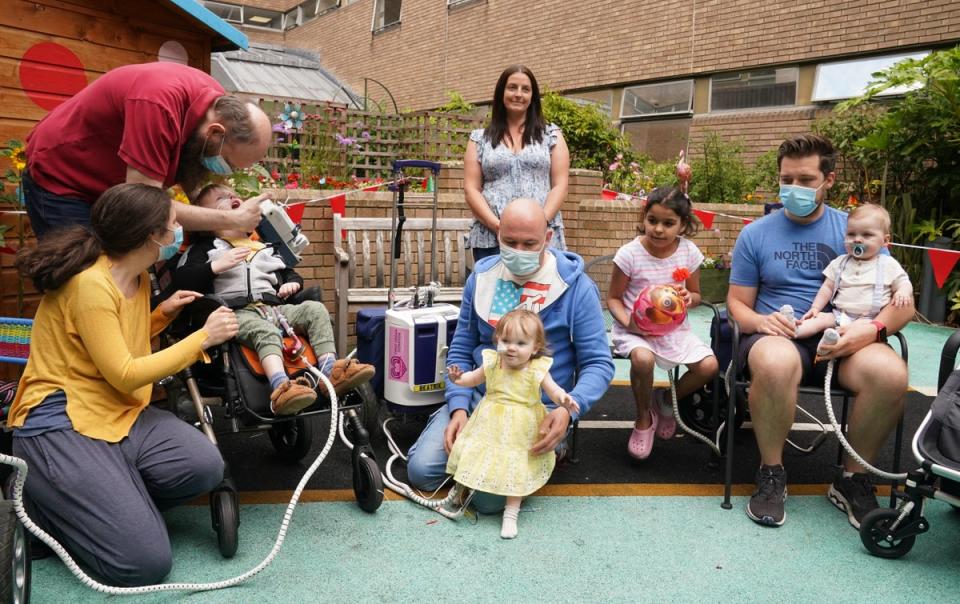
x=766 y=504
x=854 y=495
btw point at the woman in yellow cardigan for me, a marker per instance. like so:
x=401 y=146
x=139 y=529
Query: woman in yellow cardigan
x=103 y=462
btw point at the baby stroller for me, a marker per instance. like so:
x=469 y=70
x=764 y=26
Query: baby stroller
x=231 y=394
x=891 y=532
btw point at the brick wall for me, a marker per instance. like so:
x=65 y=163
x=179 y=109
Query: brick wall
x=760 y=131
x=578 y=45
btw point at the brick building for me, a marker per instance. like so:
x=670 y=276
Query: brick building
x=665 y=70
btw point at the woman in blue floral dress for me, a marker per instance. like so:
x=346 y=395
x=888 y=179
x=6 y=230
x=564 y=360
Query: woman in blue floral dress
x=516 y=155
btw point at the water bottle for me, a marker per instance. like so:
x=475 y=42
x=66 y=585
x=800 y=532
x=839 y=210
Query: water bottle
x=830 y=336
x=787 y=311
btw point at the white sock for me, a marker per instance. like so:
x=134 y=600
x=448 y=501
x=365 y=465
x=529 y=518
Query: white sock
x=509 y=528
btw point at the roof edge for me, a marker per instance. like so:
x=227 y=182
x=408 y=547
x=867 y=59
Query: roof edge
x=232 y=37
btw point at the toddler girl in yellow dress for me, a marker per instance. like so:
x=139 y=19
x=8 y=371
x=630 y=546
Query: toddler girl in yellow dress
x=492 y=453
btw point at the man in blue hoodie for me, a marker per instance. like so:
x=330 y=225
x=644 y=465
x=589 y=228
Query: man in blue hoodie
x=527 y=274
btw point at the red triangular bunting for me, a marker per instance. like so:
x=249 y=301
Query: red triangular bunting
x=338 y=204
x=608 y=194
x=295 y=212
x=705 y=217
x=7 y=250
x=942 y=262
x=746 y=221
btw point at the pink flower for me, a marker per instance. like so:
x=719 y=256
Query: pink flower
x=614 y=166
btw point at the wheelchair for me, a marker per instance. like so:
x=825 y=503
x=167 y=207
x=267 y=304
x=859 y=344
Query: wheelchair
x=231 y=394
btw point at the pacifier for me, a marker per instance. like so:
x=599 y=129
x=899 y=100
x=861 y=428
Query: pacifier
x=858 y=249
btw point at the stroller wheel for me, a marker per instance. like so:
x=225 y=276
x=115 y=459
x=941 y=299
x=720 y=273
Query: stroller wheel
x=226 y=521
x=292 y=439
x=874 y=531
x=367 y=483
x=14 y=557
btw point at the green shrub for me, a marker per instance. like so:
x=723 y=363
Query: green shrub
x=593 y=141
x=719 y=172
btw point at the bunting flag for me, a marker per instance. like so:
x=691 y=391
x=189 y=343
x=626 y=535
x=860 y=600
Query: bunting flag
x=372 y=188
x=608 y=194
x=746 y=221
x=706 y=218
x=942 y=262
x=295 y=212
x=7 y=250
x=338 y=205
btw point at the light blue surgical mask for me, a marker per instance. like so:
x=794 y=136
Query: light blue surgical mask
x=520 y=262
x=216 y=163
x=170 y=250
x=799 y=201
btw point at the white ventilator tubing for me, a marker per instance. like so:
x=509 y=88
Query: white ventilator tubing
x=21 y=468
x=828 y=402
x=676 y=414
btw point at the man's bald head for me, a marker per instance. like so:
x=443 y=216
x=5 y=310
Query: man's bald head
x=526 y=212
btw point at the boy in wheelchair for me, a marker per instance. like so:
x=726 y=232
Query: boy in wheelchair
x=254 y=281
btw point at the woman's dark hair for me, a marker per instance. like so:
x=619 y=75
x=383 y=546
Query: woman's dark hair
x=675 y=200
x=121 y=220
x=533 y=126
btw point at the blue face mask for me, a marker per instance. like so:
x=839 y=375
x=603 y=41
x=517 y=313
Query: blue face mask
x=216 y=163
x=799 y=201
x=520 y=262
x=169 y=251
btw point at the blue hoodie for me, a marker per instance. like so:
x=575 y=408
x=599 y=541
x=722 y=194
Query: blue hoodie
x=575 y=330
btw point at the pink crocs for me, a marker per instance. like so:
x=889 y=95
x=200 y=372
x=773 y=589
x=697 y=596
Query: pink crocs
x=641 y=441
x=667 y=424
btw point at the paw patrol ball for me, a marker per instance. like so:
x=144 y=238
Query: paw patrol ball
x=659 y=309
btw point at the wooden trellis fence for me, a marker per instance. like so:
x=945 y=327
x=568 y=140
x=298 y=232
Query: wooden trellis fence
x=338 y=142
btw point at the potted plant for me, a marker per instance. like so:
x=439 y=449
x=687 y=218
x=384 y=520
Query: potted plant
x=714 y=278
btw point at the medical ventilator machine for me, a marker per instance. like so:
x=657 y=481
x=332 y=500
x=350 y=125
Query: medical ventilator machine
x=417 y=333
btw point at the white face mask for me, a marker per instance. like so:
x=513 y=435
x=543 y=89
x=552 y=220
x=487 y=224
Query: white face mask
x=520 y=262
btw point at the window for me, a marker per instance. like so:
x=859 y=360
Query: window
x=452 y=3
x=847 y=79
x=658 y=138
x=248 y=15
x=601 y=99
x=751 y=89
x=657 y=99
x=227 y=12
x=385 y=13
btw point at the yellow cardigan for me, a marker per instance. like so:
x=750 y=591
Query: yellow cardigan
x=94 y=344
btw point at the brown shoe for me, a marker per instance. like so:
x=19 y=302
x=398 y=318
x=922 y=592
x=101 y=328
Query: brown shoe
x=347 y=374
x=291 y=397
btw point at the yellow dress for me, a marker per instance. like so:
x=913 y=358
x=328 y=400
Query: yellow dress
x=492 y=453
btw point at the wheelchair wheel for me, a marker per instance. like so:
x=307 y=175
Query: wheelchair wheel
x=696 y=410
x=873 y=534
x=14 y=557
x=226 y=521
x=367 y=483
x=370 y=409
x=293 y=439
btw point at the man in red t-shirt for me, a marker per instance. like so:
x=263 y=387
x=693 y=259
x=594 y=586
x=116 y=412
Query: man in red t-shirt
x=156 y=123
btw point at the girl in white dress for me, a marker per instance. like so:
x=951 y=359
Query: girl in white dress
x=660 y=255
